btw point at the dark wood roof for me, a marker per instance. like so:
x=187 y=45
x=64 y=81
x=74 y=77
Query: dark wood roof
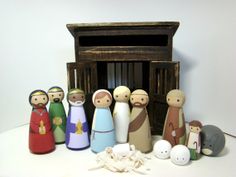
x=170 y=25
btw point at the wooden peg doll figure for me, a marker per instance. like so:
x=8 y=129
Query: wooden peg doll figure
x=77 y=131
x=194 y=139
x=121 y=113
x=41 y=138
x=139 y=127
x=57 y=114
x=103 y=133
x=174 y=128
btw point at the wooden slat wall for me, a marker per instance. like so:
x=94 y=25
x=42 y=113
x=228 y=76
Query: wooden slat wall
x=126 y=73
x=164 y=77
x=82 y=75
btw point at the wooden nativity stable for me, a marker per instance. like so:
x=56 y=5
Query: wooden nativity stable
x=138 y=55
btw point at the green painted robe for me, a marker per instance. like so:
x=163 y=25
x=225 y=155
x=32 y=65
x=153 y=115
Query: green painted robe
x=57 y=113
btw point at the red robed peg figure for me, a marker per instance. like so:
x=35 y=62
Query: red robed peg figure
x=41 y=138
x=174 y=127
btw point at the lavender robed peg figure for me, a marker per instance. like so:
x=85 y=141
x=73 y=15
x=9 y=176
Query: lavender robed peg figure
x=77 y=132
x=121 y=113
x=174 y=127
x=139 y=127
x=103 y=132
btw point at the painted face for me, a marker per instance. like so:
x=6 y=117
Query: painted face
x=76 y=99
x=121 y=94
x=195 y=129
x=180 y=155
x=175 y=98
x=102 y=98
x=56 y=97
x=139 y=98
x=103 y=102
x=208 y=145
x=162 y=149
x=39 y=100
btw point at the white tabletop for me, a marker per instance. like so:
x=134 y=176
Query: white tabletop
x=17 y=161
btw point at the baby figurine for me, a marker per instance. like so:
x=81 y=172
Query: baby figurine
x=57 y=114
x=103 y=132
x=194 y=139
x=121 y=113
x=41 y=138
x=77 y=132
x=174 y=127
x=139 y=127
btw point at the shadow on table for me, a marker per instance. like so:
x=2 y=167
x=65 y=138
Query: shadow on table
x=224 y=152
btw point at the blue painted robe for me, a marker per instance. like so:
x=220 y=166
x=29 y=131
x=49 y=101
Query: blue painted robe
x=103 y=132
x=77 y=133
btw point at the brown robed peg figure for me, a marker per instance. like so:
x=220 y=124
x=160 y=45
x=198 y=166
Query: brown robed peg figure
x=139 y=127
x=174 y=127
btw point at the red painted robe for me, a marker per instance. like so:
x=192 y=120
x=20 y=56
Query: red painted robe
x=172 y=124
x=40 y=143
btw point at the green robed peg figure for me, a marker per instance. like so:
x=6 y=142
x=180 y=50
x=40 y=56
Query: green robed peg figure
x=57 y=114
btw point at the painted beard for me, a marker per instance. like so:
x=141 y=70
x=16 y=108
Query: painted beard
x=40 y=105
x=77 y=103
x=56 y=100
x=138 y=104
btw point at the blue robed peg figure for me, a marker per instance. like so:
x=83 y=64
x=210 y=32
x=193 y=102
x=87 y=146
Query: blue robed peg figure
x=103 y=132
x=77 y=132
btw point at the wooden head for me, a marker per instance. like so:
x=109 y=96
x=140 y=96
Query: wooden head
x=121 y=94
x=175 y=98
x=55 y=94
x=139 y=98
x=38 y=98
x=76 y=97
x=195 y=126
x=102 y=98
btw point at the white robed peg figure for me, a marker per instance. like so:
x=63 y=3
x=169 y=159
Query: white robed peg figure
x=121 y=113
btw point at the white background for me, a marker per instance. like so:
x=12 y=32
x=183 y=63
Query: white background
x=35 y=46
